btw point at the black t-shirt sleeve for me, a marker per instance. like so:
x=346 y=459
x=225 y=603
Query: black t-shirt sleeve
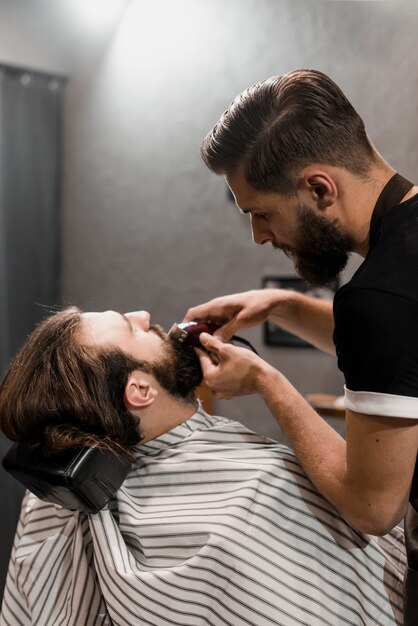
x=376 y=340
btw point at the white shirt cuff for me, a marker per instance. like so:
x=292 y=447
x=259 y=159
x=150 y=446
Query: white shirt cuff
x=388 y=405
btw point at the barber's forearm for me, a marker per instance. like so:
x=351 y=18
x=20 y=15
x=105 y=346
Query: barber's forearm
x=310 y=318
x=320 y=450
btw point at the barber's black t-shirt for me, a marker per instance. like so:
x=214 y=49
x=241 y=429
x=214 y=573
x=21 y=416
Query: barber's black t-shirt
x=376 y=321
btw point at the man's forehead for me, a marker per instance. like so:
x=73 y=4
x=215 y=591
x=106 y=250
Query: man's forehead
x=103 y=318
x=97 y=327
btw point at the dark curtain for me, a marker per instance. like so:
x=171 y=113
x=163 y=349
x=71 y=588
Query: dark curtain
x=30 y=129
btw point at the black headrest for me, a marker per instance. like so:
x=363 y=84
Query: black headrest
x=80 y=479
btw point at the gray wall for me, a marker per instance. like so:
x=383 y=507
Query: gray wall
x=144 y=224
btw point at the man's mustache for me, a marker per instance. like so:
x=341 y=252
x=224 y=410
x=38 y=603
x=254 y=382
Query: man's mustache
x=159 y=330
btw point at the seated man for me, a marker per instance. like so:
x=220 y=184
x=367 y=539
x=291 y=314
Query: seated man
x=214 y=523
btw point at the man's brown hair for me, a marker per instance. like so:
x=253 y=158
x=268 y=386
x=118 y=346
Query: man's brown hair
x=58 y=394
x=278 y=126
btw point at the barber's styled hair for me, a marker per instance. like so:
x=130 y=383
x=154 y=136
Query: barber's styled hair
x=58 y=394
x=277 y=126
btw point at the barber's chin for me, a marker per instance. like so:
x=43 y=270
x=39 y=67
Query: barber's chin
x=314 y=276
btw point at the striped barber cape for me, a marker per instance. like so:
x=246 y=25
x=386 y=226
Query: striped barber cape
x=216 y=526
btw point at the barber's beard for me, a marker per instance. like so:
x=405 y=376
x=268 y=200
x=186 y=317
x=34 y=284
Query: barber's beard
x=321 y=250
x=178 y=371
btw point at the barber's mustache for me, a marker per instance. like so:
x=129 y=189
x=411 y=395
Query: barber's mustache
x=286 y=249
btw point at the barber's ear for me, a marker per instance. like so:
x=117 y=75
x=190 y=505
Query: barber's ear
x=139 y=391
x=321 y=187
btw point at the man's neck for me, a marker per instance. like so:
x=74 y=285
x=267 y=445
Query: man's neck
x=166 y=413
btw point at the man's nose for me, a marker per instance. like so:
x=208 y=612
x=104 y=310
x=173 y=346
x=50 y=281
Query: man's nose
x=139 y=319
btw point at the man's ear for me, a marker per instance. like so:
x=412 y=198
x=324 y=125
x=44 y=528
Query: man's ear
x=321 y=187
x=139 y=391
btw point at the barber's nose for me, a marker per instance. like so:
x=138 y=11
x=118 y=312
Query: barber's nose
x=259 y=234
x=139 y=319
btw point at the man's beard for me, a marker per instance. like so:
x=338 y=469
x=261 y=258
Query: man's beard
x=321 y=250
x=178 y=371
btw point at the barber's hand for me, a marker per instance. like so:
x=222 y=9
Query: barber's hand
x=239 y=310
x=228 y=370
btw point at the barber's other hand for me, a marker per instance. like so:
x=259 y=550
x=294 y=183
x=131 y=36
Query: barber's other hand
x=239 y=310
x=228 y=370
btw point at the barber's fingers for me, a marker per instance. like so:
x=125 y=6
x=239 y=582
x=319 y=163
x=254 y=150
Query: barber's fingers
x=219 y=310
x=229 y=329
x=231 y=318
x=220 y=366
x=208 y=362
x=202 y=312
x=212 y=344
x=211 y=368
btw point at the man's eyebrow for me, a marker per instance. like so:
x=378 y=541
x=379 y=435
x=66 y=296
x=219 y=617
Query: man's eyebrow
x=245 y=211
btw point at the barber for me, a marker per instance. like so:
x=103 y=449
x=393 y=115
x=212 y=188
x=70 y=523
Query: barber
x=297 y=158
